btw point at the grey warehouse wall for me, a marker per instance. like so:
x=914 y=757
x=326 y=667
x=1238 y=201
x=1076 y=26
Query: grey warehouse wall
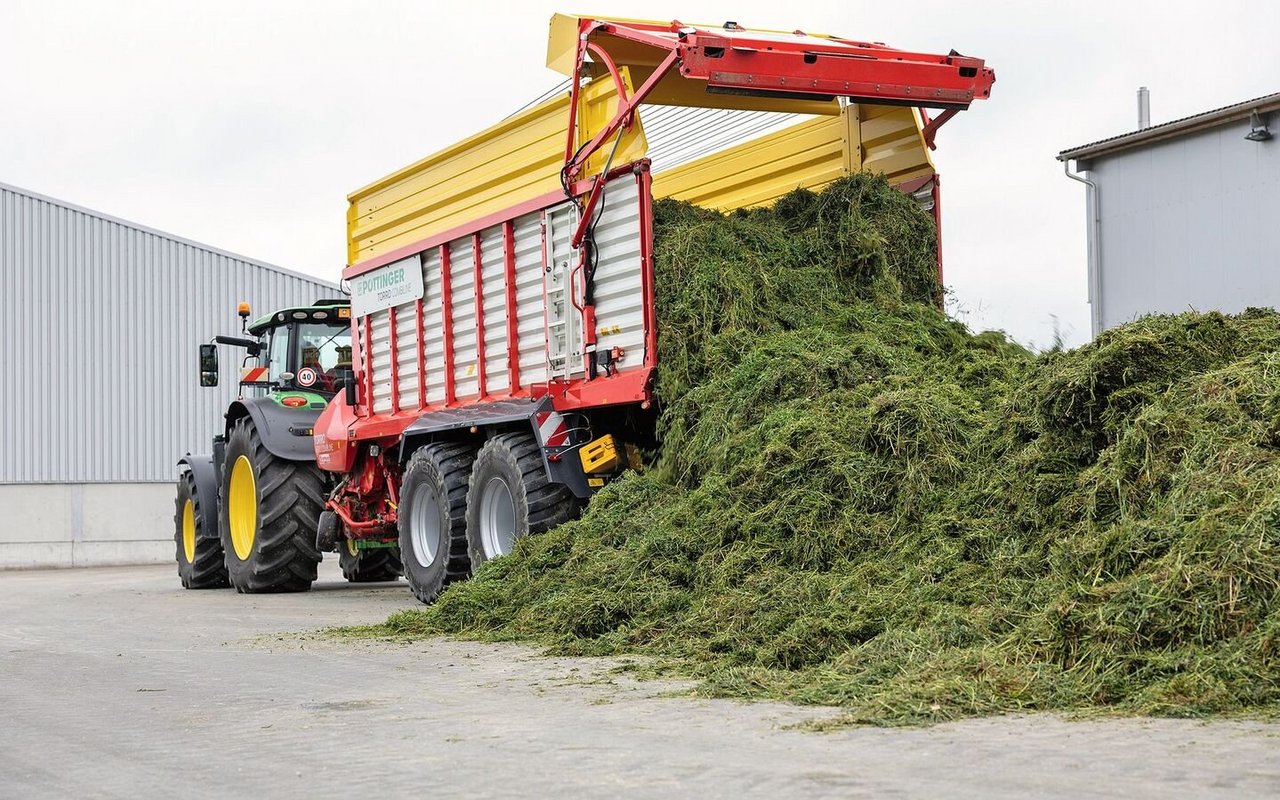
x=1189 y=223
x=98 y=338
x=86 y=524
x=99 y=391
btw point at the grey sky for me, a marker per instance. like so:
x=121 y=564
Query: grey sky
x=244 y=124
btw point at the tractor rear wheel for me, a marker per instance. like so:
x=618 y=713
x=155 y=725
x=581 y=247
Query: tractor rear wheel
x=369 y=566
x=432 y=518
x=200 y=564
x=511 y=497
x=270 y=507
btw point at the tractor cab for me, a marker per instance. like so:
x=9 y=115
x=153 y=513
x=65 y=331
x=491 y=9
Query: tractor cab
x=306 y=349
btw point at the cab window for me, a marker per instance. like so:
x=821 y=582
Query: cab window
x=278 y=353
x=324 y=347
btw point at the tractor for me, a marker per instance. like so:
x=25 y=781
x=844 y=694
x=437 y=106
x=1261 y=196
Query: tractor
x=246 y=513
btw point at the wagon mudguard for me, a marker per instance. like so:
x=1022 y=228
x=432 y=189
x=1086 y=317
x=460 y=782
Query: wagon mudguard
x=285 y=432
x=556 y=437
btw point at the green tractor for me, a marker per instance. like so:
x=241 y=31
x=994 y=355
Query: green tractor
x=246 y=514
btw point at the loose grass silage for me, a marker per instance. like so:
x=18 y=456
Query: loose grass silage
x=857 y=502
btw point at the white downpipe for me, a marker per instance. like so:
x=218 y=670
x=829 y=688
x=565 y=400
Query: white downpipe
x=1095 y=248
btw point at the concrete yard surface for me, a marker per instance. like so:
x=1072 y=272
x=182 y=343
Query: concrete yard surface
x=118 y=683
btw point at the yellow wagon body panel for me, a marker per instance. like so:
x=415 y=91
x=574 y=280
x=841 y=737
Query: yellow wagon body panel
x=516 y=160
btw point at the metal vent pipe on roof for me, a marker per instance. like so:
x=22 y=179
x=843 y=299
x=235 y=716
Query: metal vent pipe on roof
x=1144 y=108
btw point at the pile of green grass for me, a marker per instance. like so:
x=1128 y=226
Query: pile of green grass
x=857 y=502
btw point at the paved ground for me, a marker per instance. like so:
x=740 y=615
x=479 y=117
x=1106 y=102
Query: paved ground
x=117 y=683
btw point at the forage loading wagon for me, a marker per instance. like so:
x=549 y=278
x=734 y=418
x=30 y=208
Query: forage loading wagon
x=503 y=316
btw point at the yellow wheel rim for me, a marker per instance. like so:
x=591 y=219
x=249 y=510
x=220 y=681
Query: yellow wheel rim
x=189 y=531
x=242 y=507
x=351 y=547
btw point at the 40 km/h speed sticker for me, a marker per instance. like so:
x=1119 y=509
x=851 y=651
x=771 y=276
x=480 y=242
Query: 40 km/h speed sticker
x=307 y=377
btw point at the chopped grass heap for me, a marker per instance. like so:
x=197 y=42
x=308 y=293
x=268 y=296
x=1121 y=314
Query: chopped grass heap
x=857 y=502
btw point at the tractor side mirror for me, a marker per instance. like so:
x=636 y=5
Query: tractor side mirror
x=208 y=365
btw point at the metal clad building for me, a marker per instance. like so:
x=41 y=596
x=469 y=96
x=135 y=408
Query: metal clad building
x=100 y=327
x=1185 y=215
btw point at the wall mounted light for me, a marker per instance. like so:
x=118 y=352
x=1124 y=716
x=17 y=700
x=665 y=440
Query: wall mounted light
x=1260 y=132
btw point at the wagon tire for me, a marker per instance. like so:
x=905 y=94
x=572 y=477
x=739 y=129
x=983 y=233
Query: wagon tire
x=510 y=497
x=432 y=518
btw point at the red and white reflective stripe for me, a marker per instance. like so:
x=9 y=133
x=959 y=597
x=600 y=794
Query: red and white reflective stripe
x=251 y=374
x=552 y=429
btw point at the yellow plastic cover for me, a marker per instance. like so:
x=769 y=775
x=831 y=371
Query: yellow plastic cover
x=514 y=161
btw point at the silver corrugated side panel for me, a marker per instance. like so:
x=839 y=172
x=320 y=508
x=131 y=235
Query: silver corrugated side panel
x=619 y=287
x=101 y=320
x=619 y=306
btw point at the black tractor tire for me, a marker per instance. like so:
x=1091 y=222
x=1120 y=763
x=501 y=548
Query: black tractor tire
x=199 y=555
x=277 y=538
x=432 y=518
x=510 y=497
x=369 y=566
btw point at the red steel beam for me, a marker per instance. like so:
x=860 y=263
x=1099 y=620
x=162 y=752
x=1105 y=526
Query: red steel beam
x=446 y=307
x=881 y=79
x=395 y=365
x=422 y=356
x=571 y=132
x=738 y=60
x=513 y=308
x=934 y=182
x=646 y=269
x=546 y=262
x=931 y=126
x=937 y=224
x=636 y=32
x=368 y=364
x=478 y=268
x=625 y=109
x=599 y=52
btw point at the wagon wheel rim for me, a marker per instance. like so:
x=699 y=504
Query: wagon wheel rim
x=497 y=518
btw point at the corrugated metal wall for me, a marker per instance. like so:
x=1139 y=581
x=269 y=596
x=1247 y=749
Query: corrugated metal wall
x=98 y=356
x=1189 y=223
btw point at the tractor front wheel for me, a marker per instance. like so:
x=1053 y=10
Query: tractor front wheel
x=270 y=507
x=200 y=564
